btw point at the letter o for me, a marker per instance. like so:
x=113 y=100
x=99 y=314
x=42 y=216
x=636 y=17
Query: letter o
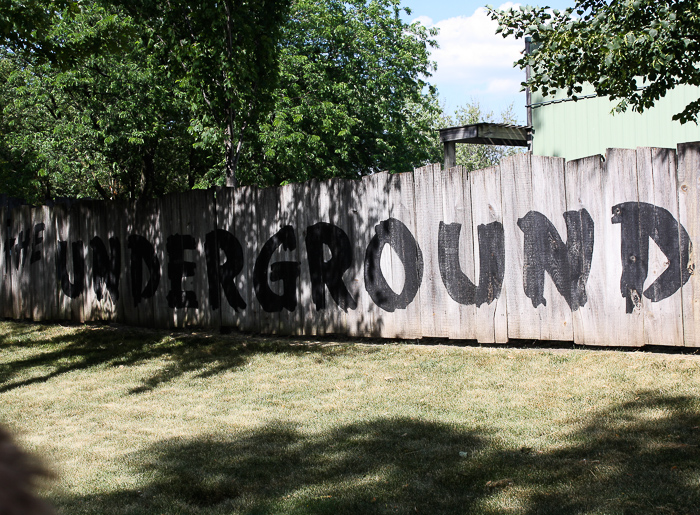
x=394 y=233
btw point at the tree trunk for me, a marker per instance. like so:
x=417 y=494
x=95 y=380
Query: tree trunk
x=231 y=161
x=148 y=173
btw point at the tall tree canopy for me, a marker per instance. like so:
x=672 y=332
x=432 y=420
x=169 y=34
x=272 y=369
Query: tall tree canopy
x=633 y=51
x=351 y=98
x=107 y=123
x=129 y=98
x=227 y=53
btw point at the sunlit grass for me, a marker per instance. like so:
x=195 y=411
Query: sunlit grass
x=140 y=422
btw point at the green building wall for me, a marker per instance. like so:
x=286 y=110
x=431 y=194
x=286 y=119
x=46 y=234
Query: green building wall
x=587 y=127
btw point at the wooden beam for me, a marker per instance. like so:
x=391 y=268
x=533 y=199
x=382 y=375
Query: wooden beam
x=487 y=134
x=450 y=155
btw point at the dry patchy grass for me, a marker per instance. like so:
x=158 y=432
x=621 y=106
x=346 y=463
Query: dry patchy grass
x=147 y=422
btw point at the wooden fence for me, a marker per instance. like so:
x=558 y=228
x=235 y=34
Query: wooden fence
x=596 y=251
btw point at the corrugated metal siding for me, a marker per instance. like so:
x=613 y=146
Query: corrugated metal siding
x=587 y=127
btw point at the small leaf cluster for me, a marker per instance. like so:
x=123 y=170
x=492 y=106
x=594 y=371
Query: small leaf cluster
x=632 y=51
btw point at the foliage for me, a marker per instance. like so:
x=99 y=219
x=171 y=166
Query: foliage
x=226 y=52
x=350 y=99
x=633 y=51
x=25 y=25
x=113 y=125
x=137 y=98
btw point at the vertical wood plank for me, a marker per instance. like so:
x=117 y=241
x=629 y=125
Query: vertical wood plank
x=11 y=269
x=287 y=215
x=373 y=203
x=406 y=322
x=657 y=183
x=433 y=296
x=490 y=320
x=236 y=214
x=689 y=217
x=621 y=328
x=5 y=277
x=267 y=209
x=456 y=209
x=84 y=229
x=549 y=199
x=117 y=226
x=192 y=217
x=161 y=222
x=516 y=186
x=62 y=228
x=252 y=238
x=149 y=288
x=621 y=187
x=585 y=179
x=24 y=269
x=340 y=214
x=360 y=231
x=306 y=213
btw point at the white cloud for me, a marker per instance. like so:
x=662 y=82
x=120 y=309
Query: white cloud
x=473 y=57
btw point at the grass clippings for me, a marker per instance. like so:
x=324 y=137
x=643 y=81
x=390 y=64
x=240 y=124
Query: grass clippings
x=134 y=421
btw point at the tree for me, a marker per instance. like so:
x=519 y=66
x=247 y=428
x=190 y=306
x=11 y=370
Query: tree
x=633 y=51
x=111 y=124
x=350 y=97
x=138 y=98
x=226 y=52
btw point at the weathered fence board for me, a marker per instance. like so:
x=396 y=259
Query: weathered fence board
x=689 y=217
x=585 y=179
x=598 y=251
x=516 y=191
x=491 y=321
x=663 y=321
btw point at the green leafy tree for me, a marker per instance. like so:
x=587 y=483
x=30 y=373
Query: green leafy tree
x=632 y=51
x=351 y=95
x=112 y=125
x=225 y=53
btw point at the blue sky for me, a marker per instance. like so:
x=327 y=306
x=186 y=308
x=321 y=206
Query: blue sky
x=473 y=63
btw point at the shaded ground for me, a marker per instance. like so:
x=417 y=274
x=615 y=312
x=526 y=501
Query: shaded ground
x=241 y=424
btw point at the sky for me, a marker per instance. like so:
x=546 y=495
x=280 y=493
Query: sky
x=473 y=62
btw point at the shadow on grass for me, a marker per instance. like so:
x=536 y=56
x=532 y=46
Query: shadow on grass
x=93 y=346
x=638 y=457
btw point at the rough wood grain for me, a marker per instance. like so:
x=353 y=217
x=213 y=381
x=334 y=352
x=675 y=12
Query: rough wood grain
x=5 y=277
x=657 y=185
x=619 y=328
x=689 y=217
x=491 y=322
x=456 y=209
x=549 y=199
x=433 y=296
x=409 y=211
x=516 y=186
x=407 y=321
x=584 y=182
x=360 y=220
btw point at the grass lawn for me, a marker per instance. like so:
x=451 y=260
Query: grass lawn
x=135 y=421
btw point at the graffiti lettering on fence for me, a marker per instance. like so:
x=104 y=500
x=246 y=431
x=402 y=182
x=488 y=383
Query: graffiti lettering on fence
x=491 y=259
x=641 y=222
x=27 y=243
x=568 y=263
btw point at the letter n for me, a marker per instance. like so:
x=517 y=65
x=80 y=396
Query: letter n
x=568 y=264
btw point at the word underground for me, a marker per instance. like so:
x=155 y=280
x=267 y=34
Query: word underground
x=568 y=264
